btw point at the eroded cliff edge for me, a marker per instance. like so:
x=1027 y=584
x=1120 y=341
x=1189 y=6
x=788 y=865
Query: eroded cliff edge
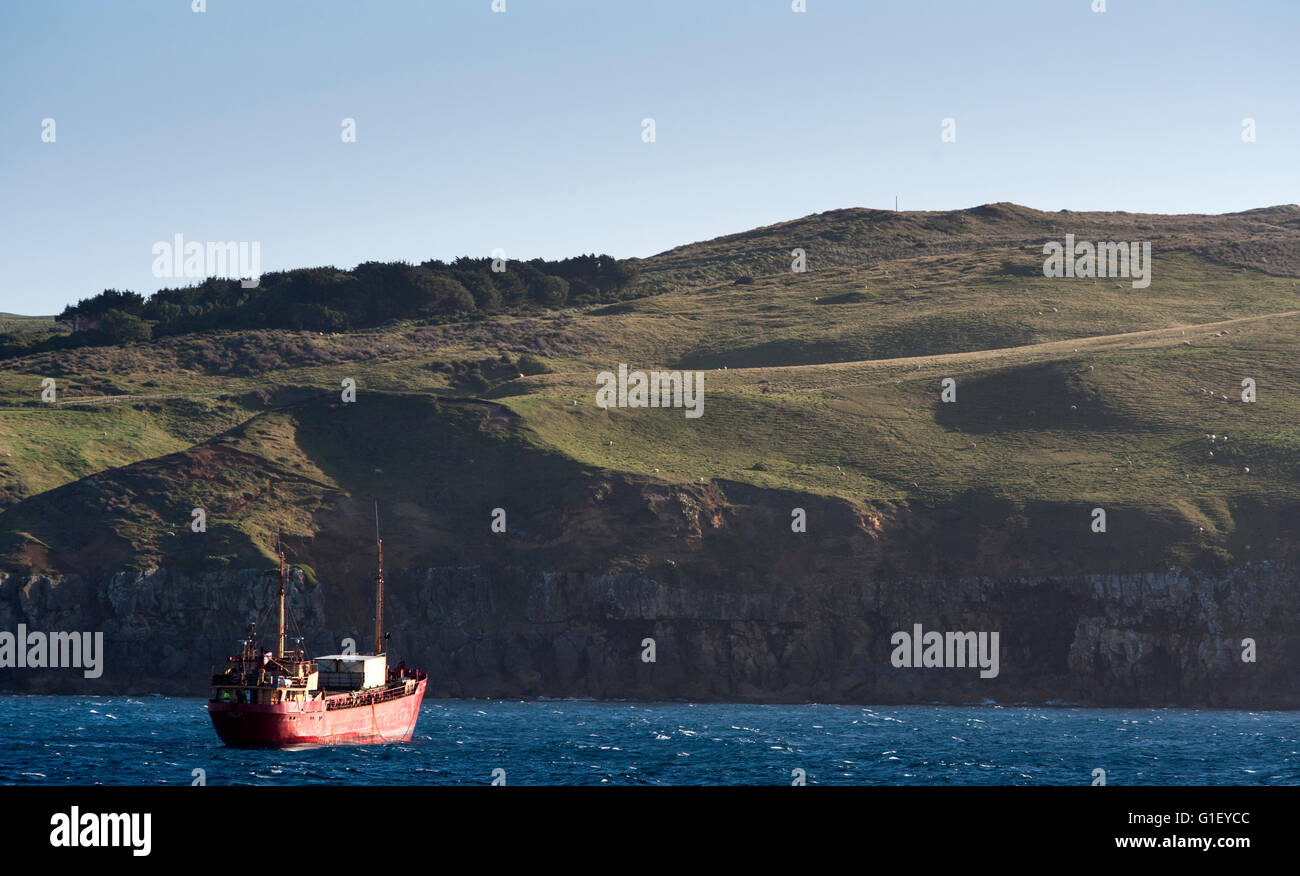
x=741 y=608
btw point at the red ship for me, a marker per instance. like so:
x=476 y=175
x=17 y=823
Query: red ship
x=283 y=699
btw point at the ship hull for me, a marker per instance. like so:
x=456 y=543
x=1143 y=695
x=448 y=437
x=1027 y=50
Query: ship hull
x=289 y=725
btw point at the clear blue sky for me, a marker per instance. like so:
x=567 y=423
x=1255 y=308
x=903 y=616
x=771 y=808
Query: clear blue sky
x=522 y=130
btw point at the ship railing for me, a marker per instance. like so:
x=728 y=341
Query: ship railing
x=253 y=680
x=365 y=698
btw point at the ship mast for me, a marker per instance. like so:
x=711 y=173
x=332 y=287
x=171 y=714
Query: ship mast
x=279 y=648
x=379 y=589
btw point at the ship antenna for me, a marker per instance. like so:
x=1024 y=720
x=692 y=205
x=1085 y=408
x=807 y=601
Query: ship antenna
x=279 y=653
x=379 y=589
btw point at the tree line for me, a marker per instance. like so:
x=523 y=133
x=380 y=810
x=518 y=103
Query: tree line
x=329 y=299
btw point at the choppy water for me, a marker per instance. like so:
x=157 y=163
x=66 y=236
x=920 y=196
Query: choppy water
x=161 y=740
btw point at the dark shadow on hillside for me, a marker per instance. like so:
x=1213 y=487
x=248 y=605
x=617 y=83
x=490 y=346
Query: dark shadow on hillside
x=938 y=335
x=854 y=297
x=1047 y=396
x=925 y=336
x=454 y=460
x=775 y=353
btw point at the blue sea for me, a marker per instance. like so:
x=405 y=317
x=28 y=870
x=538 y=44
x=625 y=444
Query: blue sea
x=164 y=741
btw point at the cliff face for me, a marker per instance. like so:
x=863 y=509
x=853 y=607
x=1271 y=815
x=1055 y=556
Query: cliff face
x=747 y=593
x=1100 y=639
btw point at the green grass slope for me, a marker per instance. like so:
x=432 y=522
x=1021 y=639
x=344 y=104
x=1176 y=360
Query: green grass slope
x=1072 y=392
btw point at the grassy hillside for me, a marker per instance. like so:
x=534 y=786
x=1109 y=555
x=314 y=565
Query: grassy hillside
x=1069 y=391
x=13 y=322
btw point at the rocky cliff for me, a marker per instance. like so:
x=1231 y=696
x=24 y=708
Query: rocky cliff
x=739 y=607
